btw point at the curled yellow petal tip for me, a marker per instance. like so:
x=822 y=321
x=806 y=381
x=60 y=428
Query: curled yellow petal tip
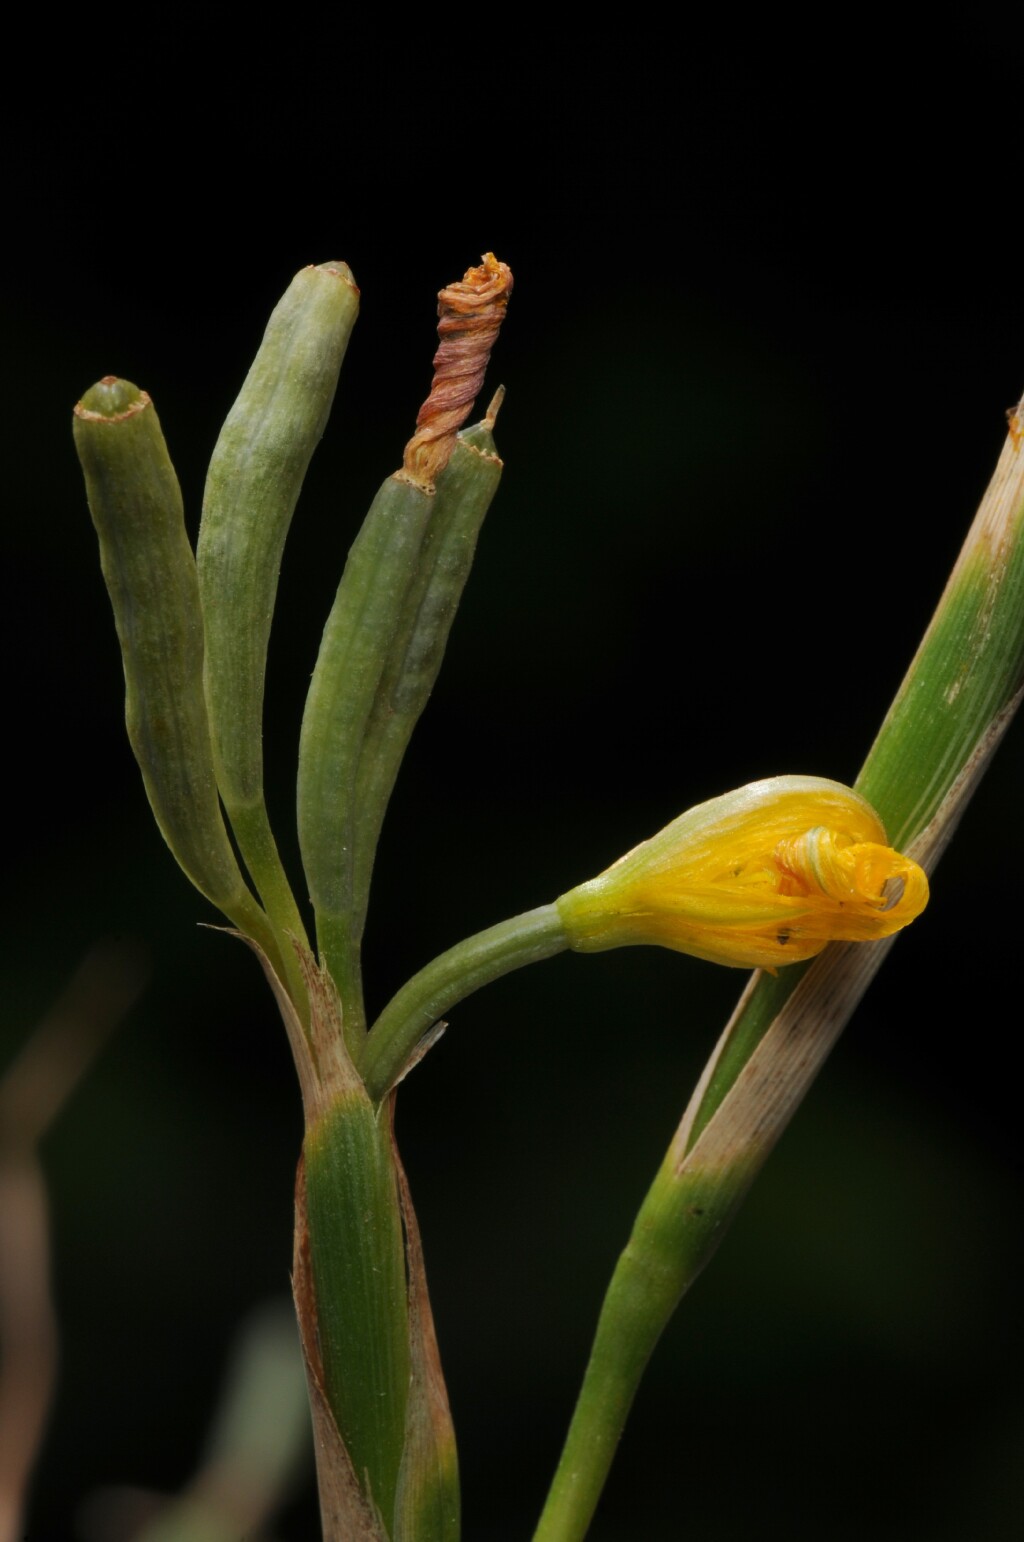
x=764 y=876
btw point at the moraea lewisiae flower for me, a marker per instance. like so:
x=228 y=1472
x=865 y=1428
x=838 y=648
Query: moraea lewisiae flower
x=763 y=876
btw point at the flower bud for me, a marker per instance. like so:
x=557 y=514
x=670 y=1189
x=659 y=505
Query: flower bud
x=760 y=877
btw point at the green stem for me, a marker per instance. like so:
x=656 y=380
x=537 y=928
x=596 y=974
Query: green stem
x=525 y=939
x=670 y=1244
x=340 y=947
x=257 y=845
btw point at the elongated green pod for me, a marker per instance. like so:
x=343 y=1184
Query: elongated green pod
x=150 y=574
x=464 y=491
x=376 y=603
x=253 y=484
x=356 y=644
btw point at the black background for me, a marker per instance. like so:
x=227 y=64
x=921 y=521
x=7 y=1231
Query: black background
x=766 y=323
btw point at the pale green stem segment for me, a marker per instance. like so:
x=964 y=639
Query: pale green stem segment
x=357 y=641
x=359 y=1276
x=968 y=670
x=150 y=575
x=449 y=979
x=464 y=491
x=252 y=486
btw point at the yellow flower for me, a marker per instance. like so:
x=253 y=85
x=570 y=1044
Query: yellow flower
x=763 y=876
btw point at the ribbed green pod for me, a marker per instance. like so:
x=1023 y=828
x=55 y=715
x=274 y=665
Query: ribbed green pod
x=252 y=487
x=464 y=491
x=150 y=574
x=357 y=641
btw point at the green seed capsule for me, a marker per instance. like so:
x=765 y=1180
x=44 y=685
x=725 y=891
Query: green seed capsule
x=356 y=644
x=252 y=487
x=150 y=574
x=377 y=603
x=464 y=492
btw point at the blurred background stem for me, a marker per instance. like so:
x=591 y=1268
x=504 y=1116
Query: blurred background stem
x=33 y=1091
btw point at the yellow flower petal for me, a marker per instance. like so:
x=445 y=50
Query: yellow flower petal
x=763 y=876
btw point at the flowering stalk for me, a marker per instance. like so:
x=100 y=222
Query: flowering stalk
x=408 y=1024
x=762 y=876
x=952 y=709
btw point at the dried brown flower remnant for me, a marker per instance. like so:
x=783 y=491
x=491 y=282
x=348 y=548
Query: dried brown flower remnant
x=471 y=313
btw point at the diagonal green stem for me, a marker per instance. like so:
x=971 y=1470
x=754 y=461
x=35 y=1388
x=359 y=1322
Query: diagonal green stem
x=957 y=699
x=667 y=1250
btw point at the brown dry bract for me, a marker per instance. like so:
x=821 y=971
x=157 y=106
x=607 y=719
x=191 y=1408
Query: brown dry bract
x=429 y=1462
x=471 y=313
